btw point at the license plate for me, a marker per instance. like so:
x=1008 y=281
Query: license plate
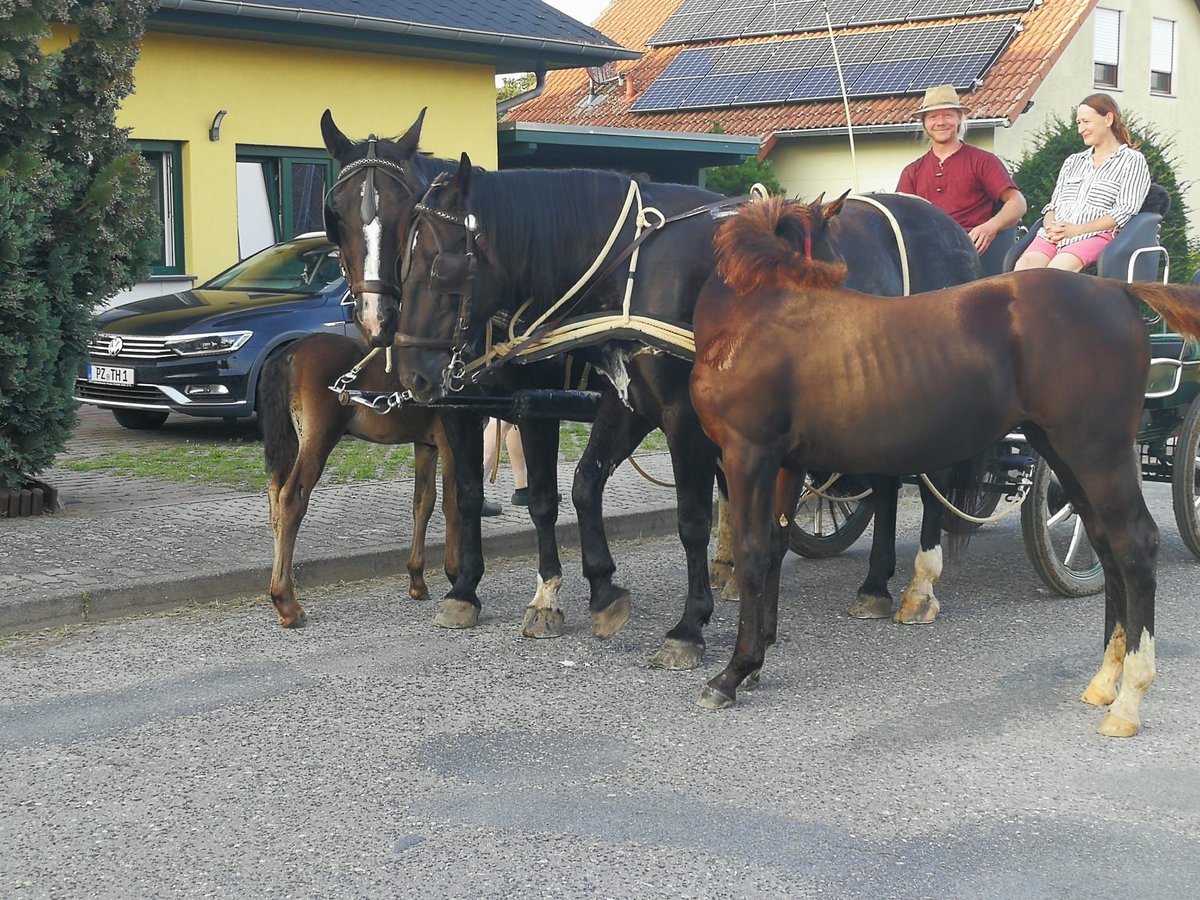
x=110 y=375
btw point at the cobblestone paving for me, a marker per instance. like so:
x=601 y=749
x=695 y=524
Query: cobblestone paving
x=121 y=543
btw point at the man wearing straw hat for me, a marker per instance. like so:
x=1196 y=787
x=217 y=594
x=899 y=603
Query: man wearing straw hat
x=966 y=182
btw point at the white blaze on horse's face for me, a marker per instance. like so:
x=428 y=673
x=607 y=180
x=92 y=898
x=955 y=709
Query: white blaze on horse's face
x=370 y=316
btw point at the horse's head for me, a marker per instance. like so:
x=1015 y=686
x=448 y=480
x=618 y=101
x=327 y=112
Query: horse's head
x=781 y=243
x=448 y=287
x=367 y=214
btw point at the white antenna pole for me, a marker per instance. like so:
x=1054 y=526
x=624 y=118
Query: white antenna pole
x=845 y=99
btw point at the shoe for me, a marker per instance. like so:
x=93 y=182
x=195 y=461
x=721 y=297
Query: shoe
x=491 y=508
x=520 y=497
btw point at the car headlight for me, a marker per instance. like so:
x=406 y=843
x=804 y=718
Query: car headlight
x=208 y=344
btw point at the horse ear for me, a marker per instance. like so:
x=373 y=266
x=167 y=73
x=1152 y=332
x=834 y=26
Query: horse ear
x=835 y=207
x=412 y=138
x=336 y=143
x=462 y=175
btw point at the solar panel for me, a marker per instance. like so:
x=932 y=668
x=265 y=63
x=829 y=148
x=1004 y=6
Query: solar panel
x=898 y=61
x=703 y=20
x=665 y=94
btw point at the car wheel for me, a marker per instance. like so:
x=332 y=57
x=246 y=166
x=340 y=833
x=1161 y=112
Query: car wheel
x=140 y=419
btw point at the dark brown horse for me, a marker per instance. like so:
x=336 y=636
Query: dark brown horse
x=515 y=243
x=794 y=371
x=302 y=421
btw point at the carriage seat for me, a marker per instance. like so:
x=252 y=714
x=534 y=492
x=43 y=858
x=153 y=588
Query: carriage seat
x=1140 y=231
x=991 y=261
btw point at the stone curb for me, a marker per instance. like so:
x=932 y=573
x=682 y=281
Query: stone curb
x=172 y=593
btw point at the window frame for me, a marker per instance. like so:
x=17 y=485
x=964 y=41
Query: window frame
x=170 y=180
x=1102 y=67
x=1169 y=90
x=279 y=161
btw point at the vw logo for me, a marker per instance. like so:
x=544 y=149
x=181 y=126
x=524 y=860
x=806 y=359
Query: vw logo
x=115 y=345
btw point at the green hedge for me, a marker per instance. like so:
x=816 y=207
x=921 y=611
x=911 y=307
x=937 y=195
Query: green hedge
x=76 y=223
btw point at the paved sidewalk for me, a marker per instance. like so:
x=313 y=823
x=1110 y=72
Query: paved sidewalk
x=127 y=544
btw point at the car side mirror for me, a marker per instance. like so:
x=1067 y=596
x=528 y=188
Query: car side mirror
x=347 y=308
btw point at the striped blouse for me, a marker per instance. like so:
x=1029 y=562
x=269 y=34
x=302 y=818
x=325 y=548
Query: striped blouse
x=1085 y=192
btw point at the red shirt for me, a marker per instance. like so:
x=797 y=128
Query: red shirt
x=967 y=184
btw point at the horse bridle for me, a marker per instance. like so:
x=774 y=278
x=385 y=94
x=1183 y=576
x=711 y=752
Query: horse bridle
x=369 y=209
x=450 y=274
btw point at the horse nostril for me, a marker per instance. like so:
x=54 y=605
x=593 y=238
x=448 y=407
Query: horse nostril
x=380 y=340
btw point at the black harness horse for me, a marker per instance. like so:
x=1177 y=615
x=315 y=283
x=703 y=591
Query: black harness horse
x=514 y=243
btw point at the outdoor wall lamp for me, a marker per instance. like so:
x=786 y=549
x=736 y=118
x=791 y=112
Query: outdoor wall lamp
x=214 y=130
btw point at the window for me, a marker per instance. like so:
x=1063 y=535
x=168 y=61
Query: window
x=1107 y=49
x=1162 y=55
x=166 y=189
x=281 y=193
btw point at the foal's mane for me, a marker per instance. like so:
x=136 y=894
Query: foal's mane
x=763 y=247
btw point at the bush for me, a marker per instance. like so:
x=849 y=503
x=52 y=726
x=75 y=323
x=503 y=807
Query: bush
x=1038 y=171
x=76 y=223
x=733 y=181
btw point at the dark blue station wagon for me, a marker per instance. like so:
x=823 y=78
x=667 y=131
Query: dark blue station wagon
x=200 y=352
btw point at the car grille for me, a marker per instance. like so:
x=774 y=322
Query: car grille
x=131 y=347
x=119 y=393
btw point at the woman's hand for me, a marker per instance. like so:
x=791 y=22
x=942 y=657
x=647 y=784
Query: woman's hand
x=1060 y=231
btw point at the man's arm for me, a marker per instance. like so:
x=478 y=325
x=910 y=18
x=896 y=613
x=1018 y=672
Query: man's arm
x=1014 y=206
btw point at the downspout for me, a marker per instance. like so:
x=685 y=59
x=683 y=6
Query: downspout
x=539 y=85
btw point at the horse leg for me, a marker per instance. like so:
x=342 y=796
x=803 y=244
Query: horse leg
x=721 y=571
x=751 y=475
x=543 y=617
x=693 y=461
x=614 y=435
x=874 y=600
x=423 y=502
x=449 y=505
x=288 y=497
x=464 y=433
x=1125 y=538
x=920 y=606
x=787 y=493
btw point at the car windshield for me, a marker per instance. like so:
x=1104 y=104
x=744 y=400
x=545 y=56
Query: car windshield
x=301 y=267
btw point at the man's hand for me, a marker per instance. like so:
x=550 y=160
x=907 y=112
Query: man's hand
x=983 y=235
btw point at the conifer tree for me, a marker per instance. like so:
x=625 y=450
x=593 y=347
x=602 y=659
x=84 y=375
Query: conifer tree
x=76 y=223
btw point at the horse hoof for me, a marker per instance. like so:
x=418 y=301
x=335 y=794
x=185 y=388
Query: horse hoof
x=711 y=698
x=1099 y=695
x=678 y=655
x=871 y=606
x=613 y=617
x=730 y=592
x=456 y=614
x=1115 y=726
x=752 y=680
x=543 y=623
x=291 y=615
x=420 y=594
x=720 y=573
x=920 y=611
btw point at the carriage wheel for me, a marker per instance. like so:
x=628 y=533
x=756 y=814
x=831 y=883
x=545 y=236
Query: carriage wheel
x=999 y=479
x=1184 y=478
x=822 y=527
x=1055 y=541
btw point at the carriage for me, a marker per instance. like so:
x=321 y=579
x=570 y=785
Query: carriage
x=831 y=519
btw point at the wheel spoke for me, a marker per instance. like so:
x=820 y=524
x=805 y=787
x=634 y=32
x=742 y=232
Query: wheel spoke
x=1061 y=516
x=1078 y=542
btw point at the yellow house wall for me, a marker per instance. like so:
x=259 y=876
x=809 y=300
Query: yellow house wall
x=275 y=95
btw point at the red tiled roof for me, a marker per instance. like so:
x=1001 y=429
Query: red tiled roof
x=1007 y=86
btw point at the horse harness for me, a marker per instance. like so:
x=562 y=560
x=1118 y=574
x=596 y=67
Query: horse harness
x=369 y=210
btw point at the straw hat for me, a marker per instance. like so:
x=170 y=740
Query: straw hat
x=941 y=97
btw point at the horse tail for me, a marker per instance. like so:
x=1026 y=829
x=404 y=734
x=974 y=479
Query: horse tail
x=965 y=489
x=281 y=444
x=763 y=247
x=1179 y=305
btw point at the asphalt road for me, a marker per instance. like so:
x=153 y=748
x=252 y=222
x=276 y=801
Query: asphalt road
x=210 y=753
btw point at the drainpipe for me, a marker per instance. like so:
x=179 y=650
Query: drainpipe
x=539 y=85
